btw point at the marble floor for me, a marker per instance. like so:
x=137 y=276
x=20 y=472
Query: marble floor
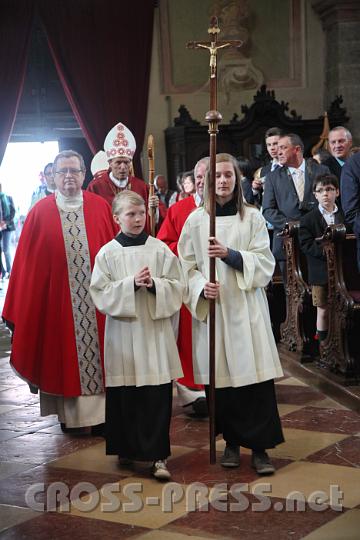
x=55 y=485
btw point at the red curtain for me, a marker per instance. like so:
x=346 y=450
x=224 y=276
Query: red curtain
x=15 y=28
x=102 y=51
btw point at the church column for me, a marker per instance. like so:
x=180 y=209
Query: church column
x=341 y=23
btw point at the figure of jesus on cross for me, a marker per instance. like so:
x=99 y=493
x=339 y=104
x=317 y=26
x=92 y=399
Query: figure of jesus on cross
x=214 y=45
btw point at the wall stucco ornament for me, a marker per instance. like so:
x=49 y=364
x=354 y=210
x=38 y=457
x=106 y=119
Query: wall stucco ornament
x=236 y=69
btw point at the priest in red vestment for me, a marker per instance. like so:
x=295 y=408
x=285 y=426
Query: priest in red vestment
x=190 y=394
x=57 y=342
x=120 y=146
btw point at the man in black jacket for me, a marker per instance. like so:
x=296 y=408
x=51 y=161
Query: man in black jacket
x=288 y=193
x=350 y=196
x=272 y=137
x=162 y=189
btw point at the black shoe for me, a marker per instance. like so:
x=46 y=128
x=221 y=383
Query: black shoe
x=231 y=456
x=200 y=407
x=74 y=430
x=261 y=462
x=98 y=430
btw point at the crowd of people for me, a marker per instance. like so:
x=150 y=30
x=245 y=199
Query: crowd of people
x=107 y=319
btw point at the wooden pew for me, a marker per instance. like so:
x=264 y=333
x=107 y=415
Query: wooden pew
x=298 y=330
x=276 y=299
x=340 y=352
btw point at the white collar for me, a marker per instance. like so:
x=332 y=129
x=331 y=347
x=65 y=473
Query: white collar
x=275 y=164
x=323 y=210
x=197 y=199
x=301 y=168
x=118 y=183
x=68 y=204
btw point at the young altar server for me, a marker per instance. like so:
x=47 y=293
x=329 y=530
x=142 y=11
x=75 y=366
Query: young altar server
x=137 y=282
x=247 y=361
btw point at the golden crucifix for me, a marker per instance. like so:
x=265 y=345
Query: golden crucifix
x=213 y=46
x=213 y=117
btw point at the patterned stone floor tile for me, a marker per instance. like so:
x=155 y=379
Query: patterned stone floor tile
x=6 y=434
x=13 y=489
x=345 y=452
x=94 y=458
x=26 y=419
x=291 y=381
x=319 y=419
x=8 y=468
x=196 y=467
x=16 y=396
x=194 y=430
x=344 y=527
x=285 y=408
x=167 y=535
x=251 y=518
x=327 y=403
x=140 y=501
x=307 y=478
x=7 y=408
x=7 y=378
x=39 y=448
x=54 y=429
x=300 y=443
x=296 y=395
x=13 y=515
x=62 y=527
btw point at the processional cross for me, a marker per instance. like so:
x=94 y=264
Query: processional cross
x=213 y=117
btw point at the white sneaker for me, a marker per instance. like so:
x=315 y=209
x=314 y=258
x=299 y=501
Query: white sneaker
x=160 y=471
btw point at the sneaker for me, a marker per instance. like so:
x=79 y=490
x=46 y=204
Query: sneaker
x=231 y=456
x=261 y=462
x=160 y=471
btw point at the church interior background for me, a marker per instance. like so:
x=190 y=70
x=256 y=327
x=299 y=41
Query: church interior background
x=303 y=55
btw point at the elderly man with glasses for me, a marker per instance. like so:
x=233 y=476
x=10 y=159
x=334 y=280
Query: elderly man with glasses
x=57 y=342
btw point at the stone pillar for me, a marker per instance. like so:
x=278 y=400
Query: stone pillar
x=341 y=23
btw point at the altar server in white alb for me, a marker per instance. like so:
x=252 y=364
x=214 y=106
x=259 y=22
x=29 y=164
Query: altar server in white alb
x=137 y=282
x=246 y=356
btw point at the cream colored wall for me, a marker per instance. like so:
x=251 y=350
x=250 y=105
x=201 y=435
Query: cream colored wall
x=306 y=99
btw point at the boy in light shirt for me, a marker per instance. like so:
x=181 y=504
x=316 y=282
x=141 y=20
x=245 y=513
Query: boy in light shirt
x=312 y=226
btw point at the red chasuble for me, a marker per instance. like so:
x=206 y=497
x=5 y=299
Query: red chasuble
x=38 y=300
x=103 y=186
x=169 y=233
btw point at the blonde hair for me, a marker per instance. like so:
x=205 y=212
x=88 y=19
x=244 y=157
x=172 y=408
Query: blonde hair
x=238 y=192
x=126 y=197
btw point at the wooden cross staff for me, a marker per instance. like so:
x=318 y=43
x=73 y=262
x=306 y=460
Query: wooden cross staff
x=213 y=117
x=151 y=158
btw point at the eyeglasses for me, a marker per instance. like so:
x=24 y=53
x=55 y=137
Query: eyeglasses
x=69 y=170
x=323 y=190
